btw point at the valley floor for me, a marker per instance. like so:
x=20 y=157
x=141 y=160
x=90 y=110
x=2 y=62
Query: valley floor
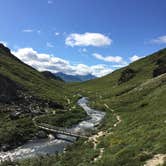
x=133 y=130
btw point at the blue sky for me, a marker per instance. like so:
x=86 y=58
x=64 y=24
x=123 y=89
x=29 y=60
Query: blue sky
x=82 y=36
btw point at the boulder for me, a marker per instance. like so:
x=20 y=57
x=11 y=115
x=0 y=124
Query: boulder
x=5 y=147
x=41 y=134
x=8 y=89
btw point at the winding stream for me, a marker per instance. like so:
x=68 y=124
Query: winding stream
x=52 y=146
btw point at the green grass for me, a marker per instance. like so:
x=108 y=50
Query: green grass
x=35 y=84
x=140 y=135
x=17 y=131
x=140 y=102
x=63 y=119
x=32 y=80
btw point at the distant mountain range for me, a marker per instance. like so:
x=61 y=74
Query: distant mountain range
x=74 y=78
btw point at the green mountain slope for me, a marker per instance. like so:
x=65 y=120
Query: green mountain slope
x=50 y=75
x=137 y=95
x=26 y=93
x=133 y=130
x=142 y=70
x=30 y=79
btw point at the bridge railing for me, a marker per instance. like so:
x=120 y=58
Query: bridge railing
x=57 y=129
x=54 y=127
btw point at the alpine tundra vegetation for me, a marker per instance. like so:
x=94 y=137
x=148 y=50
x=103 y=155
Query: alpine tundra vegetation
x=83 y=83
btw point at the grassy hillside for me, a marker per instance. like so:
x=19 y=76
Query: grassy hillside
x=135 y=124
x=26 y=93
x=109 y=85
x=30 y=79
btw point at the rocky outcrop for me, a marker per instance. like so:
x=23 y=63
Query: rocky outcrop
x=126 y=75
x=161 y=67
x=159 y=70
x=8 y=89
x=32 y=100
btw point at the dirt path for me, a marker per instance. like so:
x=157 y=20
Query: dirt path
x=94 y=138
x=95 y=141
x=118 y=120
x=100 y=155
x=158 y=159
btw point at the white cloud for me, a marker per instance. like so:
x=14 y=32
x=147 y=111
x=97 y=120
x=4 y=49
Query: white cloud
x=42 y=61
x=134 y=58
x=116 y=59
x=48 y=44
x=120 y=65
x=31 y=31
x=4 y=43
x=28 y=30
x=100 y=70
x=88 y=39
x=159 y=40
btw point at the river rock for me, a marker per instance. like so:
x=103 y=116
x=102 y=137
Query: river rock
x=8 y=89
x=5 y=147
x=14 y=115
x=41 y=134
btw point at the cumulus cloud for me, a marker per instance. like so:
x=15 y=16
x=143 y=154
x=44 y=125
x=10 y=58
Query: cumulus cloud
x=116 y=59
x=88 y=39
x=159 y=40
x=4 y=43
x=100 y=70
x=134 y=58
x=42 y=62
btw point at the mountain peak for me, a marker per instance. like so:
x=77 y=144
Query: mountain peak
x=4 y=49
x=74 y=78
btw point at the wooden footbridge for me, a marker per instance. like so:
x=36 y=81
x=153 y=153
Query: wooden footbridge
x=57 y=130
